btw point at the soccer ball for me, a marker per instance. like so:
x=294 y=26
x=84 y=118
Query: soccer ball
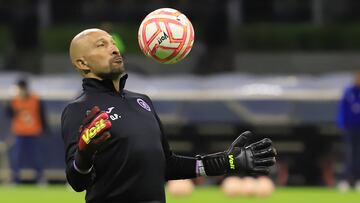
x=166 y=35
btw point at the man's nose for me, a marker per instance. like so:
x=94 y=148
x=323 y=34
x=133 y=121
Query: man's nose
x=115 y=50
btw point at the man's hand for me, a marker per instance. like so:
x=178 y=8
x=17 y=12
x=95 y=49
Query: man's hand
x=93 y=133
x=239 y=158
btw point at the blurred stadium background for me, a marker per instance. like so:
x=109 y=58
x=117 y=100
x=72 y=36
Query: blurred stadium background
x=276 y=67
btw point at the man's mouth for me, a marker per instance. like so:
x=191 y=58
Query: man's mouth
x=117 y=59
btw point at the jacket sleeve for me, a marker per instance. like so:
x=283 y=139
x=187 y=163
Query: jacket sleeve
x=177 y=166
x=71 y=119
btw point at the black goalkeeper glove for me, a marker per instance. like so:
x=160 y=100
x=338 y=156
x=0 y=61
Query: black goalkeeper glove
x=254 y=159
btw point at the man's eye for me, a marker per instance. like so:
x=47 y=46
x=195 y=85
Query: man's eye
x=100 y=45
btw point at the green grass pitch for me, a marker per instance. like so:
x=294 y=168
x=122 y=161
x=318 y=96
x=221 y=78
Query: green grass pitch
x=61 y=194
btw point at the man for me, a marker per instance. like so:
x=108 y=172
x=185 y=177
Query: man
x=349 y=122
x=109 y=28
x=118 y=151
x=27 y=124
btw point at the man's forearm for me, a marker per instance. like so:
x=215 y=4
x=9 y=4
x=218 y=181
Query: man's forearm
x=180 y=167
x=79 y=180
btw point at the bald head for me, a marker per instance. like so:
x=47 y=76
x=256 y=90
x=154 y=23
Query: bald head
x=81 y=44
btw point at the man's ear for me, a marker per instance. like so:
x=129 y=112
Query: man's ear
x=82 y=65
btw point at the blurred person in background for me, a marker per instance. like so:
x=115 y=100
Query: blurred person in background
x=28 y=123
x=348 y=121
x=115 y=147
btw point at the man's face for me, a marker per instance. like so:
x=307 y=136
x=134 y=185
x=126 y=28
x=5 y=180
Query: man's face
x=102 y=56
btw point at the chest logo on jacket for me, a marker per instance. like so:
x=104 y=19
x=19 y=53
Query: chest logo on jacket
x=109 y=110
x=112 y=116
x=143 y=104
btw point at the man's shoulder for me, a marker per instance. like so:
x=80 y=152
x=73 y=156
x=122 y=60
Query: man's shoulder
x=131 y=94
x=76 y=103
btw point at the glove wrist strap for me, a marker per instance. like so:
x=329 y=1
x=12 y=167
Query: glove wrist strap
x=214 y=164
x=200 y=170
x=84 y=172
x=83 y=161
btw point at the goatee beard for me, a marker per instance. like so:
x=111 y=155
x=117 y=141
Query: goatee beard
x=114 y=72
x=113 y=75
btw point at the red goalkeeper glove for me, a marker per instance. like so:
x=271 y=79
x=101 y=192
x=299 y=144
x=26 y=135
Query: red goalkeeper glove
x=93 y=133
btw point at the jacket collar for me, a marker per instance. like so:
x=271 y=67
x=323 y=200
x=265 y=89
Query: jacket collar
x=95 y=85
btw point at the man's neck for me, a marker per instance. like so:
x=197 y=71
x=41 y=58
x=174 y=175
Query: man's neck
x=116 y=84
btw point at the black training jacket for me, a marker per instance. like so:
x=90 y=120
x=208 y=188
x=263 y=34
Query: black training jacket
x=133 y=165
